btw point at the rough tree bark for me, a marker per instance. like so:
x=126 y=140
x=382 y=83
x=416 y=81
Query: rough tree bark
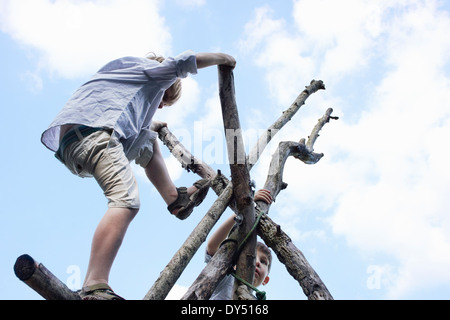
x=41 y=280
x=240 y=176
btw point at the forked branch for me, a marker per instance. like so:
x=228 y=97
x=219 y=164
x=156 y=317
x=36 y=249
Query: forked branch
x=272 y=234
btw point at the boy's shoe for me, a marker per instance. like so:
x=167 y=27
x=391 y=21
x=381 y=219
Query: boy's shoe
x=186 y=203
x=99 y=291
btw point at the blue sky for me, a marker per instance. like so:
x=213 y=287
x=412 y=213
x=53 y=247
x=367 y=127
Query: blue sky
x=371 y=217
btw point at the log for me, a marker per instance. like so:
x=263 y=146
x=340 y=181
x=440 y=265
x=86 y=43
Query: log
x=216 y=269
x=192 y=164
x=188 y=161
x=41 y=280
x=293 y=259
x=240 y=176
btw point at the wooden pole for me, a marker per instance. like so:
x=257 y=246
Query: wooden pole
x=41 y=280
x=216 y=269
x=240 y=176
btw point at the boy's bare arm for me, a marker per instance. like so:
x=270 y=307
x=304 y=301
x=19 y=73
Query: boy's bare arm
x=222 y=232
x=220 y=235
x=205 y=59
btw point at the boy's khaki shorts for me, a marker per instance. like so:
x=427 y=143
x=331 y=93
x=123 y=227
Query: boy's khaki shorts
x=101 y=157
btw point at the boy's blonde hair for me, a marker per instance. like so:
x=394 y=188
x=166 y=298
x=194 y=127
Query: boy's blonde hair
x=173 y=94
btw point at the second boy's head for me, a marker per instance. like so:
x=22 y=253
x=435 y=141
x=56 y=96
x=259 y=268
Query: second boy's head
x=263 y=264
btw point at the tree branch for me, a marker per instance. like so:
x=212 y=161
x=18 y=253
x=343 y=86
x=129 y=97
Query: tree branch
x=215 y=270
x=240 y=176
x=286 y=116
x=41 y=280
x=320 y=124
x=184 y=156
x=293 y=259
x=288 y=254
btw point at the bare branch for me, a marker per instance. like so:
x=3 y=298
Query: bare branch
x=288 y=254
x=287 y=115
x=315 y=132
x=293 y=259
x=215 y=270
x=41 y=280
x=184 y=156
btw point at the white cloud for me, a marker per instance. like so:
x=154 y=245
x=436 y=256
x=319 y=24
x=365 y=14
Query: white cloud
x=75 y=38
x=342 y=31
x=278 y=52
x=260 y=27
x=191 y=3
x=385 y=174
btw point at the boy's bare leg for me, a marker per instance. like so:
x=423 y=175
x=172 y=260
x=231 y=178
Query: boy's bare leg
x=158 y=174
x=106 y=243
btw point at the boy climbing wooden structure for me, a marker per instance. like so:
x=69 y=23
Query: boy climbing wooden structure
x=252 y=218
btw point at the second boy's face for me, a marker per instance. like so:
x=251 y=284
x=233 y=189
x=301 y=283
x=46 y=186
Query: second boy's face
x=262 y=269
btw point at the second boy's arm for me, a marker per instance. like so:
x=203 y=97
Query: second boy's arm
x=222 y=232
x=220 y=235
